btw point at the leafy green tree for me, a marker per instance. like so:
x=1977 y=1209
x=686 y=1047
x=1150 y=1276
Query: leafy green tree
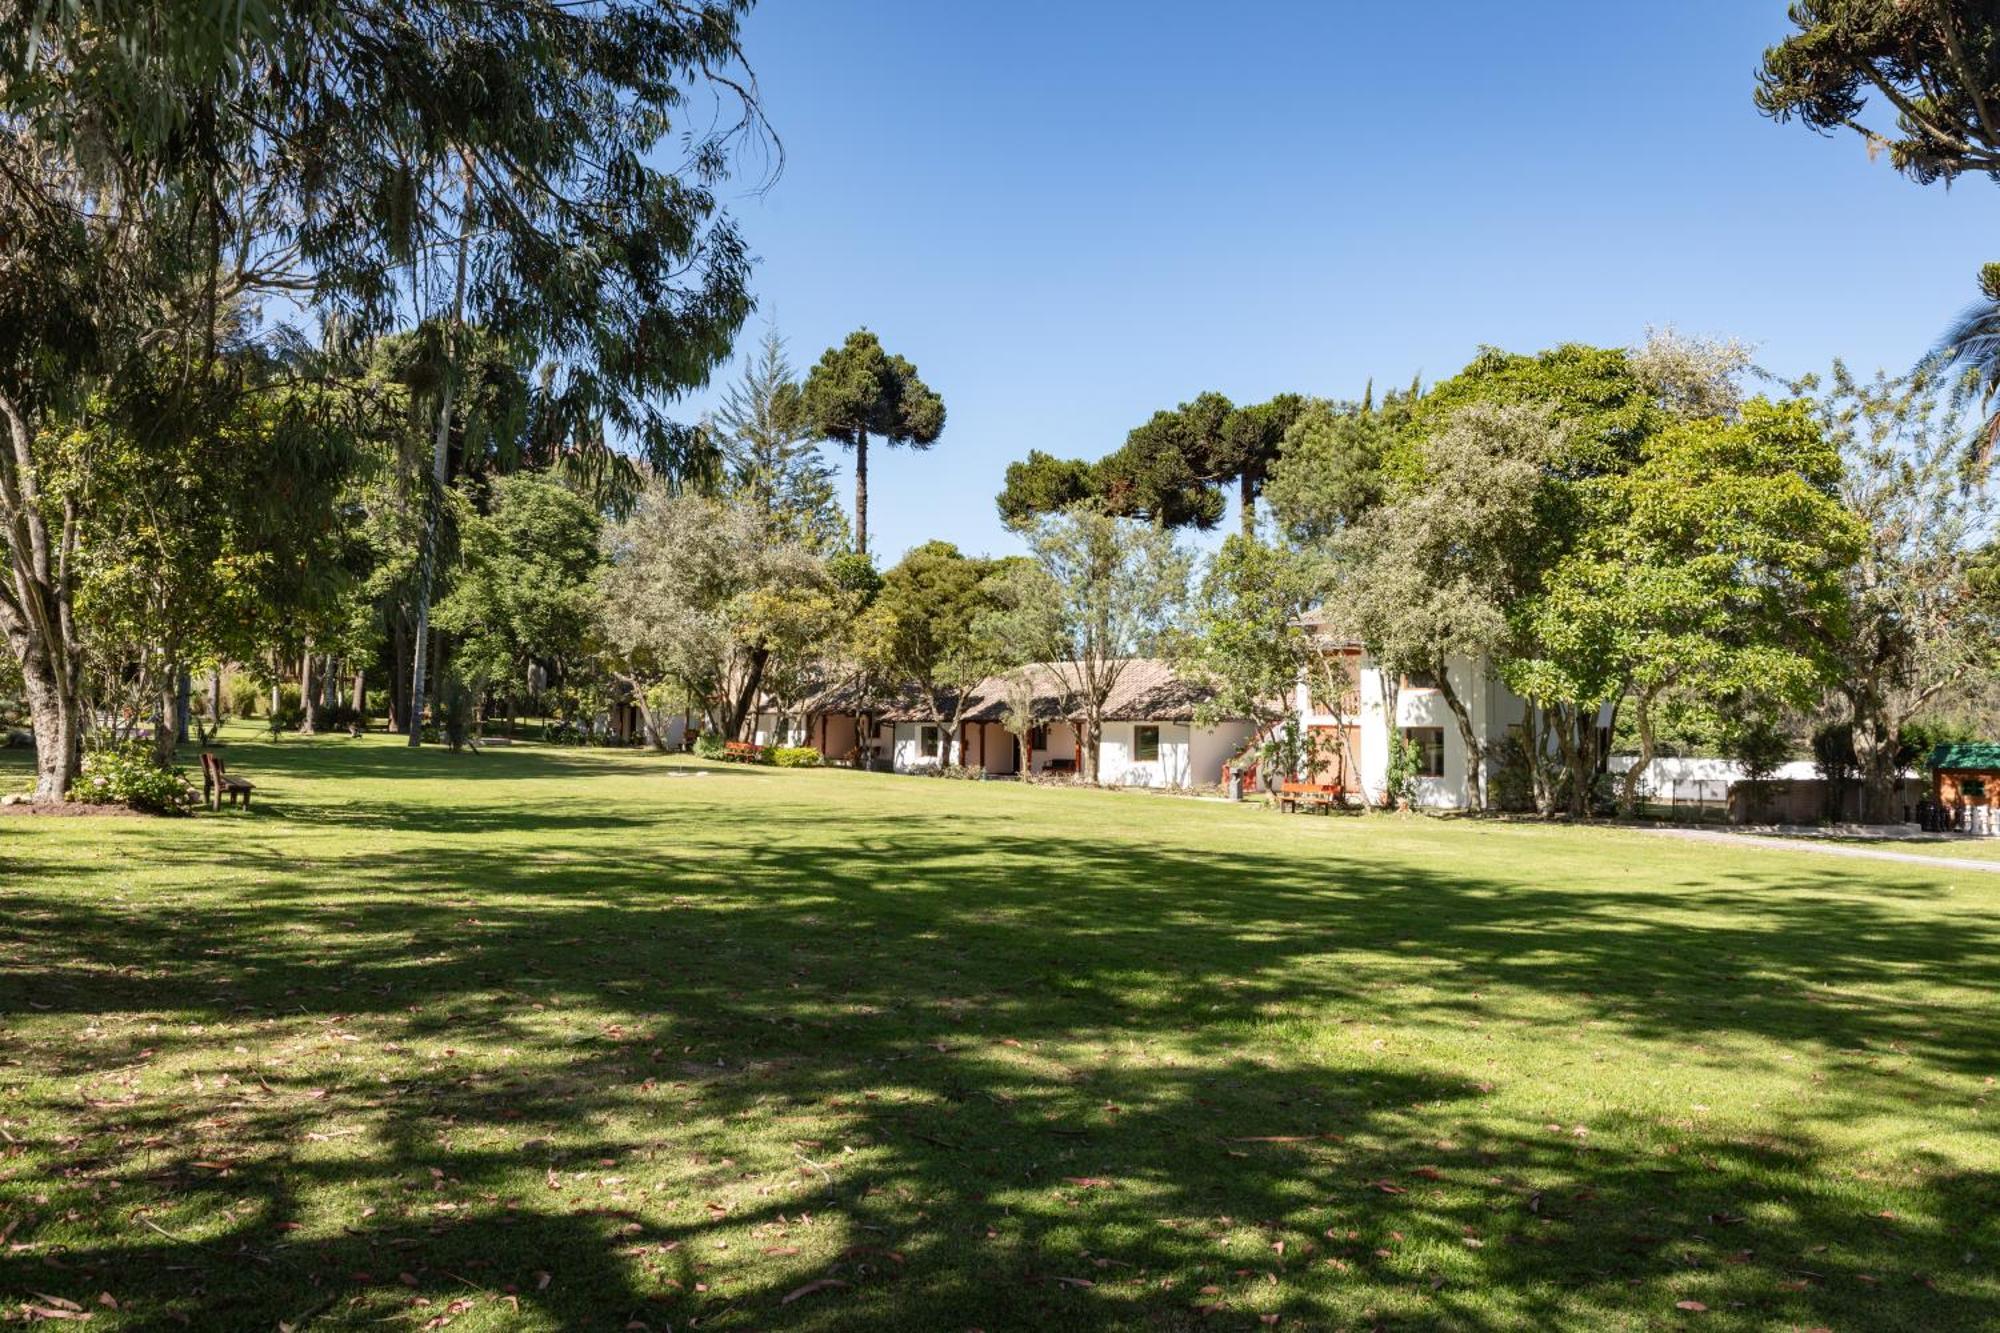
x=1913 y=629
x=1935 y=67
x=1329 y=471
x=858 y=390
x=525 y=592
x=1436 y=572
x=698 y=605
x=466 y=166
x=1102 y=591
x=1722 y=570
x=1170 y=467
x=933 y=625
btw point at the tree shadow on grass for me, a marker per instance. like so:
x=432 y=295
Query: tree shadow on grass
x=973 y=1018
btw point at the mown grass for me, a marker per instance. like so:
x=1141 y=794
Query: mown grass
x=583 y=1040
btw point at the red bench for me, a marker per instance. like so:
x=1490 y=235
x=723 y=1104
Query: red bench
x=743 y=751
x=1320 y=796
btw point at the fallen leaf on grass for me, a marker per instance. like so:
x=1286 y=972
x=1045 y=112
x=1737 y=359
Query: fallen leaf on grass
x=822 y=1284
x=1695 y=1306
x=542 y=1281
x=1089 y=1182
x=1387 y=1186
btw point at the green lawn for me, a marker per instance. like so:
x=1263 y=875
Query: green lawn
x=589 y=1040
x=1959 y=849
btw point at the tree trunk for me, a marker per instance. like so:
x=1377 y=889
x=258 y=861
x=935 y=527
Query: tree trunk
x=57 y=718
x=37 y=610
x=1475 y=752
x=440 y=465
x=308 y=700
x=360 y=700
x=746 y=698
x=861 y=492
x=167 y=704
x=1642 y=718
x=1246 y=492
x=215 y=698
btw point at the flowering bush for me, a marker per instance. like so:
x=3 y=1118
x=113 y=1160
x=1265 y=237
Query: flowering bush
x=128 y=775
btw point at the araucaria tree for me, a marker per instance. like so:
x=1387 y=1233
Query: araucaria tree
x=858 y=390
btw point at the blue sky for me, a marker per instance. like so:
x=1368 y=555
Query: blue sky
x=1070 y=214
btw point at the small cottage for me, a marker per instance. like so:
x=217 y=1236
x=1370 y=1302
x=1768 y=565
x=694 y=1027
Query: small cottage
x=1965 y=785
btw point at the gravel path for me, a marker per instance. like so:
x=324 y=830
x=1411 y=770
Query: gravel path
x=1825 y=848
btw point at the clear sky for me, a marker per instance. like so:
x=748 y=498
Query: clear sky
x=1071 y=214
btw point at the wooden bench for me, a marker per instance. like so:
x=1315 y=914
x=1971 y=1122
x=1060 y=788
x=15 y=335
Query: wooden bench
x=217 y=784
x=1320 y=796
x=743 y=751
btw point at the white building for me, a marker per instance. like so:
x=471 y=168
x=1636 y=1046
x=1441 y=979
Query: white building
x=1150 y=737
x=1422 y=715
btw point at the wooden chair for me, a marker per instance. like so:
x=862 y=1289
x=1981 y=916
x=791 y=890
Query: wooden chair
x=217 y=784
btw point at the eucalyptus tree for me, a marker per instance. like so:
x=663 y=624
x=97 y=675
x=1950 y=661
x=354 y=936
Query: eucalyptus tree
x=424 y=163
x=857 y=390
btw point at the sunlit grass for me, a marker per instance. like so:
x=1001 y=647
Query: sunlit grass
x=578 y=1039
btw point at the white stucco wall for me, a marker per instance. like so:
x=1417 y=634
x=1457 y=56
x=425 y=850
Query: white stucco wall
x=1209 y=748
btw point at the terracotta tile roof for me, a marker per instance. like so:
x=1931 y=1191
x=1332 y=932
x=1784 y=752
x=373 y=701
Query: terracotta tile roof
x=1148 y=690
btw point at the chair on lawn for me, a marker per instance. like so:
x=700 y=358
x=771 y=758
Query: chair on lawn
x=217 y=784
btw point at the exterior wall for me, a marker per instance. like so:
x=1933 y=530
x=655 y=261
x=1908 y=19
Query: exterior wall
x=1117 y=766
x=1494 y=709
x=836 y=734
x=906 y=746
x=1058 y=742
x=1190 y=756
x=991 y=747
x=1209 y=748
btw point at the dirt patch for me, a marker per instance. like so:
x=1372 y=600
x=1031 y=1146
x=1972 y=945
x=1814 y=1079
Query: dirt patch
x=72 y=808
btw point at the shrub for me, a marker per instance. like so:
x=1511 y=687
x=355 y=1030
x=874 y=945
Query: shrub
x=795 y=756
x=340 y=717
x=129 y=775
x=289 y=717
x=242 y=697
x=933 y=769
x=710 y=746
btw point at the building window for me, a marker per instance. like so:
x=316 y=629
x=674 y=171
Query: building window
x=930 y=742
x=1419 y=680
x=1038 y=738
x=1145 y=745
x=1430 y=749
